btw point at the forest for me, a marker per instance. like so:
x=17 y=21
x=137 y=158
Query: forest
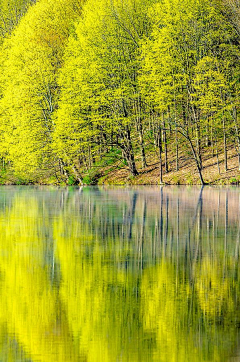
x=89 y=88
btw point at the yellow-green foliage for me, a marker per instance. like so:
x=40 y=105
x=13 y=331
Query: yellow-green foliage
x=82 y=80
x=29 y=303
x=11 y=12
x=98 y=298
x=30 y=61
x=214 y=287
x=70 y=291
x=98 y=80
x=173 y=311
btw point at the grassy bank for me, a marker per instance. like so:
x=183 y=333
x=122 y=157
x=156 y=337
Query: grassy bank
x=214 y=172
x=113 y=171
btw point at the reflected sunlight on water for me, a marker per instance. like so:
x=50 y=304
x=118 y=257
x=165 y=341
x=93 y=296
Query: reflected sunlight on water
x=119 y=274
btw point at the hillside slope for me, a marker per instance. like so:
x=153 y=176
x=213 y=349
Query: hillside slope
x=187 y=174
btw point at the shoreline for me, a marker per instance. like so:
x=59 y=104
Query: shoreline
x=214 y=174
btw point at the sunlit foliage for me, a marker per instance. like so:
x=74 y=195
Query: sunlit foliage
x=30 y=61
x=84 y=81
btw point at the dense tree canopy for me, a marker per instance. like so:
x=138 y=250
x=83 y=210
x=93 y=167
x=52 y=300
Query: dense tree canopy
x=11 y=12
x=122 y=80
x=29 y=63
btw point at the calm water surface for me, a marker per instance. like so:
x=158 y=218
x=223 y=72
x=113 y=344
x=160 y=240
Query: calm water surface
x=119 y=274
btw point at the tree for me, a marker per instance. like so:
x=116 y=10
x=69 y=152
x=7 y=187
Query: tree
x=10 y=14
x=100 y=102
x=177 y=48
x=30 y=62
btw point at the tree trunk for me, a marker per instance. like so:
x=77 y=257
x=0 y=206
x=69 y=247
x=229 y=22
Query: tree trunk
x=197 y=161
x=199 y=146
x=160 y=156
x=143 y=155
x=225 y=144
x=237 y=134
x=63 y=170
x=176 y=141
x=217 y=156
x=165 y=148
x=128 y=153
x=139 y=127
x=77 y=175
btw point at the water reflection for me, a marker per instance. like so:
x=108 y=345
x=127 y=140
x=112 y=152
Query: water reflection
x=116 y=274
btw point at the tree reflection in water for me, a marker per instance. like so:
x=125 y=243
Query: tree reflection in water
x=116 y=274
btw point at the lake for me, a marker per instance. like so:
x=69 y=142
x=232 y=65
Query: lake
x=132 y=274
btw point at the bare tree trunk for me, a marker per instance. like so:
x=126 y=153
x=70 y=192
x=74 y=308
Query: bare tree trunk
x=160 y=155
x=165 y=148
x=212 y=142
x=129 y=156
x=197 y=161
x=217 y=156
x=176 y=142
x=77 y=175
x=140 y=131
x=225 y=143
x=237 y=134
x=63 y=169
x=128 y=152
x=208 y=141
x=199 y=151
x=143 y=155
